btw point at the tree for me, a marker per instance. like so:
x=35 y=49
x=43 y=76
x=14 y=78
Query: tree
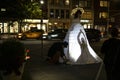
x=19 y=9
x=31 y=9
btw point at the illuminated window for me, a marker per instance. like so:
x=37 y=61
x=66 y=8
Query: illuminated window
x=87 y=15
x=103 y=3
x=103 y=15
x=83 y=3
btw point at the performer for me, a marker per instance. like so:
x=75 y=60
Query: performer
x=79 y=51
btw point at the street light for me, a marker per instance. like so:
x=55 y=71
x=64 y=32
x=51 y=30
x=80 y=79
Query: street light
x=108 y=18
x=41 y=3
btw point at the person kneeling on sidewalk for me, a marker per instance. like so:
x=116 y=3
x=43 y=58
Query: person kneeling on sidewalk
x=56 y=54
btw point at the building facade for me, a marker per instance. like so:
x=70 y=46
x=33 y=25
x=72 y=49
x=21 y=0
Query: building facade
x=88 y=16
x=59 y=13
x=106 y=14
x=99 y=14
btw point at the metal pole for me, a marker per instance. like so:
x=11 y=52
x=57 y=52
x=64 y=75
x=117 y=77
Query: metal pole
x=42 y=2
x=108 y=18
x=42 y=38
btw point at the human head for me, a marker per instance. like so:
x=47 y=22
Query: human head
x=77 y=14
x=114 y=32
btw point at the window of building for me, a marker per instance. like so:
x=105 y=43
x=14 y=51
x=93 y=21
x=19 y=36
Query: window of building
x=67 y=14
x=56 y=13
x=89 y=3
x=51 y=2
x=83 y=3
x=87 y=15
x=103 y=15
x=51 y=13
x=61 y=2
x=103 y=3
x=62 y=14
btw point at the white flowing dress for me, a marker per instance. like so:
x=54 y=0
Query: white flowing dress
x=79 y=50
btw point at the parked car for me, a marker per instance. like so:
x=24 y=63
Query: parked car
x=57 y=34
x=93 y=34
x=31 y=34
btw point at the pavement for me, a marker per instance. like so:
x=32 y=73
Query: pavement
x=41 y=70
x=38 y=69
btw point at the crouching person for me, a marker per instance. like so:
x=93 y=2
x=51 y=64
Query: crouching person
x=56 y=54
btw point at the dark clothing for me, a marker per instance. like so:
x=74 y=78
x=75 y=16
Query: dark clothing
x=111 y=51
x=56 y=51
x=54 y=48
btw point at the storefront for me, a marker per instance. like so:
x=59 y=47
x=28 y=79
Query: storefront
x=27 y=24
x=7 y=28
x=35 y=23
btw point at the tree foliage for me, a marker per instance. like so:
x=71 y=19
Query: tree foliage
x=19 y=9
x=31 y=9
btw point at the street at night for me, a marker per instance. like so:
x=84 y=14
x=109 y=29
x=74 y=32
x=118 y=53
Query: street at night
x=36 y=68
x=81 y=25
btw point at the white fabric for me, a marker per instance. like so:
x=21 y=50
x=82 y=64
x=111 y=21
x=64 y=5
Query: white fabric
x=79 y=51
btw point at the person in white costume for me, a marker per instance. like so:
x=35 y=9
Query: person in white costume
x=79 y=50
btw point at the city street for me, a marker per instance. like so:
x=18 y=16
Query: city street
x=30 y=21
x=38 y=69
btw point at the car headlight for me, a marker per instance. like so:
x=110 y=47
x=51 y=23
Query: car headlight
x=54 y=35
x=19 y=34
x=45 y=34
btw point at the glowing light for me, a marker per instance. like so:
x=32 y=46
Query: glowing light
x=3 y=9
x=84 y=21
x=41 y=2
x=27 y=50
x=79 y=50
x=26 y=55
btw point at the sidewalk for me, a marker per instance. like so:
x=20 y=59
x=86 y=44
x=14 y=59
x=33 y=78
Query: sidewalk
x=38 y=69
x=44 y=71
